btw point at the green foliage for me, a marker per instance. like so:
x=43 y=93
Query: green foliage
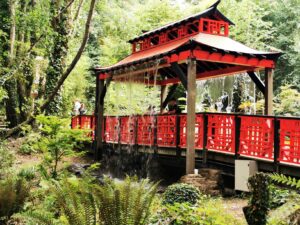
x=76 y=201
x=6 y=160
x=28 y=173
x=31 y=144
x=209 y=211
x=259 y=203
x=287 y=101
x=180 y=193
x=59 y=141
x=282 y=179
x=127 y=202
x=13 y=193
x=278 y=196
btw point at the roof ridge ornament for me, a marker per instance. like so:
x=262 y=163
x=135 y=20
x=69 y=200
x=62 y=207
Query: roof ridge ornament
x=215 y=5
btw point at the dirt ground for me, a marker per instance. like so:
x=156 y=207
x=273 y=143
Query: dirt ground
x=235 y=206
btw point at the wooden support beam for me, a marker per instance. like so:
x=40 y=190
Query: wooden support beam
x=180 y=74
x=163 y=96
x=99 y=114
x=191 y=116
x=259 y=84
x=269 y=91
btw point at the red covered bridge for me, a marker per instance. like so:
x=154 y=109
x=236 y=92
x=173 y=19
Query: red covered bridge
x=197 y=47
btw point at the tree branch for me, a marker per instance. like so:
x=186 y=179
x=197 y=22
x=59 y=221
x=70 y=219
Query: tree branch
x=64 y=75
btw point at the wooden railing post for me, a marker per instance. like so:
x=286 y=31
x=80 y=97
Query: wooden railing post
x=204 y=150
x=276 y=144
x=237 y=136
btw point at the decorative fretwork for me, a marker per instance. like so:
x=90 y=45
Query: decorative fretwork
x=191 y=28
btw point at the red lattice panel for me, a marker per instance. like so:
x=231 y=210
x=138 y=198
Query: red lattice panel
x=86 y=122
x=75 y=122
x=112 y=129
x=257 y=137
x=145 y=130
x=221 y=133
x=166 y=131
x=127 y=130
x=289 y=134
x=198 y=132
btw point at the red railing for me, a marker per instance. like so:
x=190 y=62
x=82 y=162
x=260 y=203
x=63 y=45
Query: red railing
x=166 y=131
x=145 y=130
x=128 y=130
x=221 y=133
x=198 y=131
x=257 y=137
x=112 y=128
x=289 y=144
x=261 y=137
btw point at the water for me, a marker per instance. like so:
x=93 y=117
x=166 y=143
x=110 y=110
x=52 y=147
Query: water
x=132 y=97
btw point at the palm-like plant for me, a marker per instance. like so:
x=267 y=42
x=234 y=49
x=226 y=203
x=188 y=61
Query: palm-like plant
x=125 y=202
x=84 y=203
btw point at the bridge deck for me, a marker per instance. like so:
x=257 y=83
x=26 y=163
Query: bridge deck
x=274 y=141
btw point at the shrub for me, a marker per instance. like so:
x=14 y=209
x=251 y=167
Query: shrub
x=30 y=144
x=27 y=173
x=80 y=201
x=6 y=160
x=13 y=193
x=127 y=202
x=258 y=207
x=209 y=211
x=58 y=141
x=181 y=193
x=278 y=196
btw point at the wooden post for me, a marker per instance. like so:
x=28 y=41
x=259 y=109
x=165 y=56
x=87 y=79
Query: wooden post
x=269 y=91
x=163 y=95
x=191 y=105
x=99 y=114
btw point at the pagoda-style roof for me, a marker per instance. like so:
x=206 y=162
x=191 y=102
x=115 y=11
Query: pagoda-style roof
x=211 y=13
x=203 y=36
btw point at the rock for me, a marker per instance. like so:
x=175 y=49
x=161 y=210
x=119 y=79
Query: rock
x=78 y=168
x=208 y=181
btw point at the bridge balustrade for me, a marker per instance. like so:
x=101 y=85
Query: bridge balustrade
x=166 y=131
x=257 y=137
x=274 y=139
x=112 y=127
x=221 y=133
x=289 y=144
x=85 y=122
x=145 y=130
x=198 y=131
x=128 y=130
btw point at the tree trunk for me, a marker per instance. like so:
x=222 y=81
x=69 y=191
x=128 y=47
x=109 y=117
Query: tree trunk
x=64 y=75
x=11 y=85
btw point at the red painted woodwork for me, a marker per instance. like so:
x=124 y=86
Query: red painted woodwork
x=221 y=133
x=128 y=130
x=112 y=129
x=75 y=124
x=214 y=27
x=198 y=131
x=166 y=131
x=289 y=147
x=257 y=137
x=214 y=73
x=145 y=130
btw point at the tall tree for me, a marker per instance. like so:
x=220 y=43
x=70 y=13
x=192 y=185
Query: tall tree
x=8 y=16
x=58 y=53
